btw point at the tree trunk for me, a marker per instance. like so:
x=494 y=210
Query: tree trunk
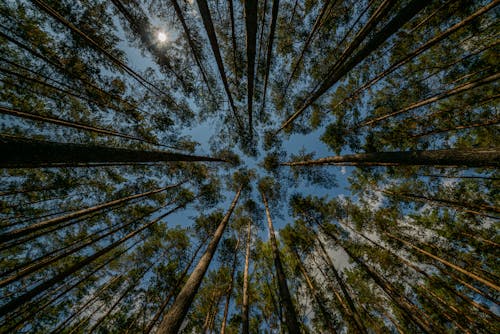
x=209 y=28
x=197 y=58
x=317 y=24
x=466 y=207
x=251 y=7
x=25 y=153
x=77 y=214
x=451 y=92
x=35 y=291
x=230 y=289
x=172 y=321
x=270 y=42
x=447 y=157
x=290 y=314
x=233 y=40
x=402 y=17
x=245 y=306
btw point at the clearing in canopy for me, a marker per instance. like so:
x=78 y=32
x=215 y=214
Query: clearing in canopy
x=239 y=166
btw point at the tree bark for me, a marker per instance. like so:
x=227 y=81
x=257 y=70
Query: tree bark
x=447 y=157
x=24 y=153
x=290 y=314
x=172 y=321
x=245 y=325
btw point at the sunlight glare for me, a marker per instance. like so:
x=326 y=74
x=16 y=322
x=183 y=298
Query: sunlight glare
x=162 y=37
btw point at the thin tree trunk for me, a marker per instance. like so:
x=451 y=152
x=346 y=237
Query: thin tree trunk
x=466 y=207
x=209 y=28
x=35 y=291
x=197 y=58
x=47 y=259
x=172 y=321
x=456 y=128
x=446 y=263
x=316 y=295
x=230 y=289
x=447 y=157
x=270 y=42
x=451 y=92
x=401 y=18
x=317 y=24
x=251 y=7
x=69 y=124
x=35 y=305
x=80 y=213
x=290 y=314
x=23 y=153
x=233 y=40
x=245 y=307
x=352 y=308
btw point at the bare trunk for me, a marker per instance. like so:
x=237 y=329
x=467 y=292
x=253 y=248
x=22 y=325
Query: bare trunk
x=290 y=314
x=448 y=157
x=172 y=321
x=272 y=31
x=178 y=282
x=454 y=91
x=24 y=153
x=433 y=41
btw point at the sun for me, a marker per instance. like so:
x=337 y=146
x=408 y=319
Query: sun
x=162 y=37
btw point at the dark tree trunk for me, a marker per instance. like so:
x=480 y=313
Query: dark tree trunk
x=270 y=42
x=25 y=153
x=172 y=321
x=210 y=30
x=447 y=157
x=292 y=322
x=251 y=7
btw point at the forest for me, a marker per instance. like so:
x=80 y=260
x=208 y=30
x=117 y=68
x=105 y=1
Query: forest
x=243 y=166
